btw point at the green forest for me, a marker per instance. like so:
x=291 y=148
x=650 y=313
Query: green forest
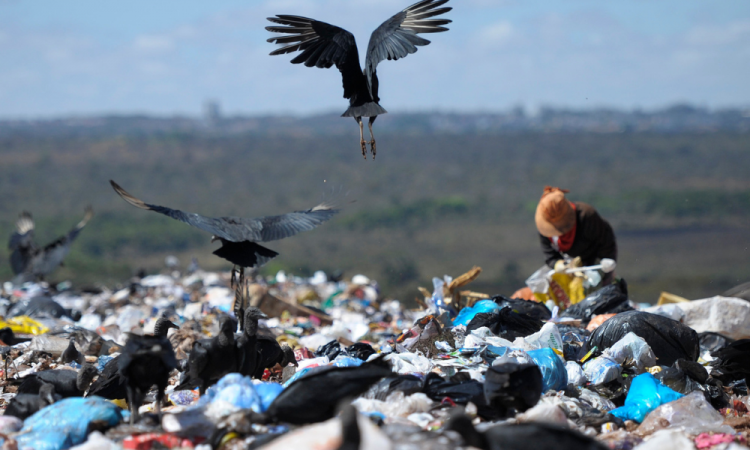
x=430 y=204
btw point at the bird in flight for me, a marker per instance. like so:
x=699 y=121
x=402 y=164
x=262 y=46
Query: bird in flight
x=240 y=236
x=324 y=45
x=30 y=262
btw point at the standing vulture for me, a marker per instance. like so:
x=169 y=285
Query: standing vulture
x=30 y=262
x=324 y=45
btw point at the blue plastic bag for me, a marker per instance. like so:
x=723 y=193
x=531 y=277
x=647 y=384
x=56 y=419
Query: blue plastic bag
x=242 y=392
x=65 y=423
x=267 y=391
x=554 y=374
x=347 y=361
x=482 y=306
x=645 y=395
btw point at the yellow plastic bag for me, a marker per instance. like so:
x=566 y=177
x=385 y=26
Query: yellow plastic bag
x=564 y=290
x=23 y=325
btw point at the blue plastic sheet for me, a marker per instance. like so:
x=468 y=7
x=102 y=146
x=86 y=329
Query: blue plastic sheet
x=482 y=306
x=554 y=374
x=645 y=395
x=65 y=423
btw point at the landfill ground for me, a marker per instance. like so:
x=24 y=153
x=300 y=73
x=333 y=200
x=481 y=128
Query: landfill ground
x=461 y=370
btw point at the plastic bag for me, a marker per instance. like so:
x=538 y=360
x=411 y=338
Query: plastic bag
x=506 y=323
x=482 y=306
x=667 y=439
x=554 y=374
x=535 y=310
x=601 y=370
x=40 y=306
x=732 y=362
x=406 y=363
x=668 y=339
x=646 y=394
x=609 y=299
x=267 y=392
x=97 y=441
x=232 y=393
x=711 y=342
x=692 y=414
x=10 y=424
x=576 y=377
x=632 y=351
x=408 y=384
x=24 y=325
x=509 y=384
x=596 y=400
x=396 y=405
x=538 y=281
x=66 y=423
x=548 y=336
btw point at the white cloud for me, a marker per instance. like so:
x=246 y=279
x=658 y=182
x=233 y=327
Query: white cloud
x=725 y=34
x=498 y=33
x=153 y=43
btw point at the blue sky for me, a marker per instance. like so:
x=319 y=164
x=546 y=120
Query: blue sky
x=166 y=57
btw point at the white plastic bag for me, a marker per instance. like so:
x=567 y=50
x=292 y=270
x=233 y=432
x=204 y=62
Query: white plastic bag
x=632 y=351
x=601 y=370
x=691 y=414
x=576 y=377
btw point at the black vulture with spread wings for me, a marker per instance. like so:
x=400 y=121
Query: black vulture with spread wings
x=324 y=45
x=240 y=236
x=30 y=262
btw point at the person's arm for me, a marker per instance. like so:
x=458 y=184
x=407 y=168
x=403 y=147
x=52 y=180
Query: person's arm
x=602 y=236
x=550 y=254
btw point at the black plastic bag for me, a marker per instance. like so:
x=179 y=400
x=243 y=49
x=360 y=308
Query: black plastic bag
x=574 y=341
x=711 y=342
x=533 y=309
x=314 y=397
x=587 y=416
x=461 y=393
x=41 y=306
x=510 y=386
x=733 y=362
x=333 y=349
x=360 y=350
x=506 y=324
x=408 y=384
x=611 y=299
x=670 y=340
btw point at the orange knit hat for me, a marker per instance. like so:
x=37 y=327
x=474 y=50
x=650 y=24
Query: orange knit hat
x=554 y=214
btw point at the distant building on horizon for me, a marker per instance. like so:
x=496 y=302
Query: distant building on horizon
x=212 y=112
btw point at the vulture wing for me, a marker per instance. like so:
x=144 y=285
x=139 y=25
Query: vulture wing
x=237 y=229
x=322 y=45
x=397 y=37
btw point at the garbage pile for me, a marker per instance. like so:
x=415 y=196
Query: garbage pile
x=207 y=361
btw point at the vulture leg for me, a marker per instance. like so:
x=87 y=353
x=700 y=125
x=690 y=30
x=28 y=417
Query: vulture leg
x=362 y=142
x=238 y=283
x=132 y=403
x=373 y=149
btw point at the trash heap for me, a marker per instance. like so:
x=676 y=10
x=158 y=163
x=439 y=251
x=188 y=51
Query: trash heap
x=460 y=370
